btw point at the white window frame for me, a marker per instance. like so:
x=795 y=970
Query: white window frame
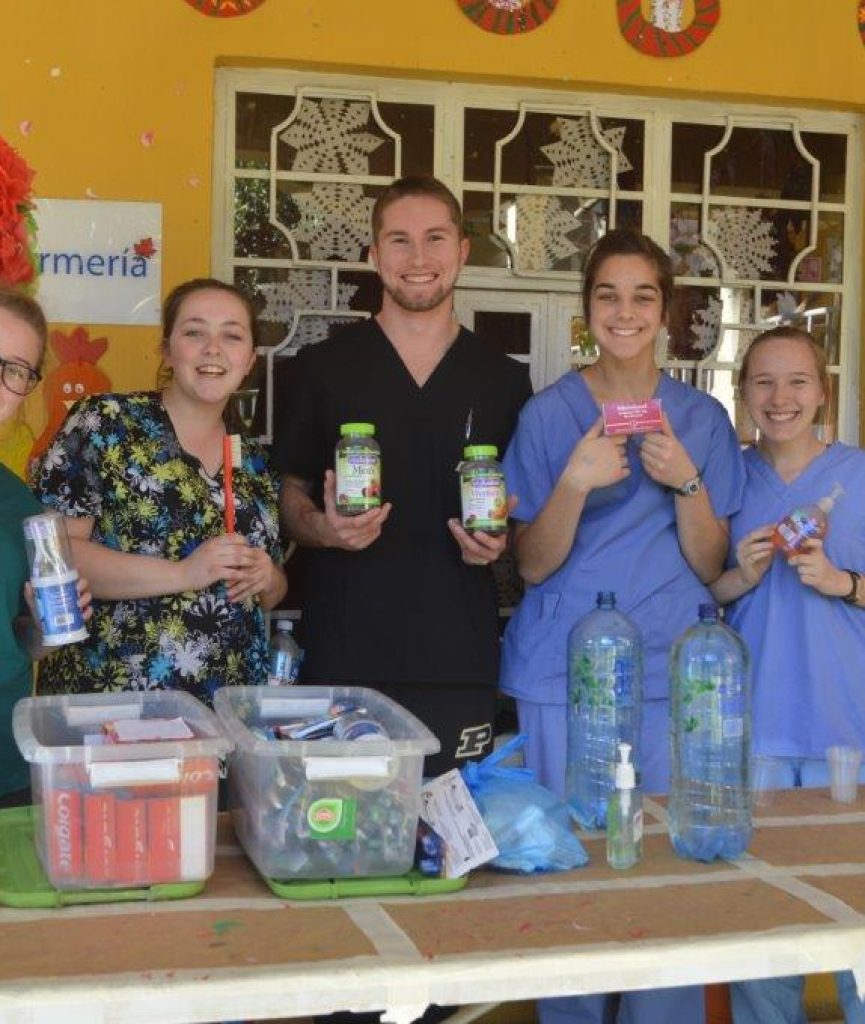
x=659 y=114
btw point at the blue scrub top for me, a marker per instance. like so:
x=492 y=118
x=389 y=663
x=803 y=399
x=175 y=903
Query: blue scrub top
x=626 y=540
x=808 y=651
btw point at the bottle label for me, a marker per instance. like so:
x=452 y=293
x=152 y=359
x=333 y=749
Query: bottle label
x=332 y=818
x=57 y=605
x=284 y=668
x=484 y=499
x=797 y=528
x=358 y=479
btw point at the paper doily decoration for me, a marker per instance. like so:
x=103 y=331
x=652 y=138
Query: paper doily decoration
x=542 y=228
x=508 y=17
x=578 y=159
x=224 y=8
x=744 y=239
x=648 y=38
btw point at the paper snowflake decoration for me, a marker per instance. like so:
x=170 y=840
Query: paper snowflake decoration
x=744 y=239
x=541 y=225
x=334 y=221
x=306 y=292
x=578 y=159
x=706 y=327
x=328 y=137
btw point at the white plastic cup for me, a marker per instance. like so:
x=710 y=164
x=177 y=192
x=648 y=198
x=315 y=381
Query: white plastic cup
x=843 y=773
x=766 y=779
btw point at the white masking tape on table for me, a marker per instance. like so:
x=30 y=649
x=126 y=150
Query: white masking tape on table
x=347 y=767
x=133 y=773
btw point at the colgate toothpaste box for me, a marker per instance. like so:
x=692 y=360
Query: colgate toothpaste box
x=126 y=812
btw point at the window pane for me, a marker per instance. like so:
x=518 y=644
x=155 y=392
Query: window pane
x=415 y=125
x=255 y=115
x=831 y=151
x=510 y=332
x=690 y=142
x=254 y=235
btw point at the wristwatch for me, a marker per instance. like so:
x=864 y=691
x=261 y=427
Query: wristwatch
x=690 y=487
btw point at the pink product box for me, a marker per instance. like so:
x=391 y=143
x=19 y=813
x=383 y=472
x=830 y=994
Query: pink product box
x=632 y=417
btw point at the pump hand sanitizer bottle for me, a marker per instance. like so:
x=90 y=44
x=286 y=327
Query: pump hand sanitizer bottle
x=625 y=815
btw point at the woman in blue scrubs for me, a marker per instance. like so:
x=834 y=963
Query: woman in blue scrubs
x=803 y=617
x=642 y=515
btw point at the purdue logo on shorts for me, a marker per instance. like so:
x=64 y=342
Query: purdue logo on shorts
x=473 y=739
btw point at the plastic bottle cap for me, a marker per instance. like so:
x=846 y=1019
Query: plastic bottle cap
x=284 y=625
x=480 y=451
x=361 y=429
x=625 y=775
x=606 y=599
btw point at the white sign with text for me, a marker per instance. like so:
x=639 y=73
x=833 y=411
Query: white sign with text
x=100 y=262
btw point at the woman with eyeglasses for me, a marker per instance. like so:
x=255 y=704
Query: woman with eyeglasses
x=23 y=333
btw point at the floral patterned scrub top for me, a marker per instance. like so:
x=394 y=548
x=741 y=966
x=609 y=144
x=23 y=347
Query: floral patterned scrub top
x=117 y=459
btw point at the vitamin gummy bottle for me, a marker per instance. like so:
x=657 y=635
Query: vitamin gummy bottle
x=358 y=469
x=805 y=523
x=710 y=804
x=605 y=683
x=482 y=490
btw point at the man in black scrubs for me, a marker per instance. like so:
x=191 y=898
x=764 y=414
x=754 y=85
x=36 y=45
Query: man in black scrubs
x=401 y=598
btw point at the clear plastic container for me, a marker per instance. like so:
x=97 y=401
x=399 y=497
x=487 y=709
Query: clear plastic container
x=121 y=815
x=323 y=808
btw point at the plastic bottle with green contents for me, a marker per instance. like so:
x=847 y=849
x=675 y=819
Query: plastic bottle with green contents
x=482 y=489
x=358 y=469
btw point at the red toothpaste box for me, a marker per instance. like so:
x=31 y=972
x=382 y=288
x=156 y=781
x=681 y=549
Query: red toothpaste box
x=133 y=866
x=100 y=851
x=63 y=838
x=177 y=838
x=632 y=417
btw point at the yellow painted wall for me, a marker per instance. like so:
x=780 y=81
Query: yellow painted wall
x=93 y=75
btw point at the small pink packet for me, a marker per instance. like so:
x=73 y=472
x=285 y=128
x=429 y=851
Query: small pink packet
x=632 y=417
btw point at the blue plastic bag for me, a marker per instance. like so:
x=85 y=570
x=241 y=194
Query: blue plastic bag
x=530 y=825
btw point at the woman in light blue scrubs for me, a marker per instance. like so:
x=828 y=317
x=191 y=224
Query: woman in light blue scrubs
x=644 y=516
x=803 y=618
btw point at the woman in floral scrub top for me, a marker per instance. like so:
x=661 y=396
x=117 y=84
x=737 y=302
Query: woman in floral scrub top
x=178 y=602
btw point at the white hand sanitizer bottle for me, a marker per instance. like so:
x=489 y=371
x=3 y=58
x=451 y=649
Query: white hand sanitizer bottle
x=625 y=815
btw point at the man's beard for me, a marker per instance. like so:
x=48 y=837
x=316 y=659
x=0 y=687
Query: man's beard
x=442 y=295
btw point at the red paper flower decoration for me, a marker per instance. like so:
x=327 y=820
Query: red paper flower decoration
x=224 y=8
x=508 y=17
x=17 y=227
x=862 y=20
x=145 y=248
x=656 y=42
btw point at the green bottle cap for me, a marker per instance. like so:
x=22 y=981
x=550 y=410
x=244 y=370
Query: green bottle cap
x=480 y=451
x=361 y=429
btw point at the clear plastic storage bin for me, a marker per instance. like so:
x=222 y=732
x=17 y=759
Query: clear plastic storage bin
x=111 y=815
x=323 y=808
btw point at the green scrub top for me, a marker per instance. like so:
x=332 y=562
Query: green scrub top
x=16 y=668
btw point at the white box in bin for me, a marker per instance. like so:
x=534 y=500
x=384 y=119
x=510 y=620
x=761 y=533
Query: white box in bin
x=121 y=815
x=323 y=808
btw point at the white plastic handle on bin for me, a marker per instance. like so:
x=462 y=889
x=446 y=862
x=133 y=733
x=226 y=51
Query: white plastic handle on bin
x=132 y=773
x=347 y=767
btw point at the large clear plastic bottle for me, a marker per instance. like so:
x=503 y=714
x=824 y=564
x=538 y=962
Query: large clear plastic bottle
x=605 y=685
x=710 y=807
x=284 y=655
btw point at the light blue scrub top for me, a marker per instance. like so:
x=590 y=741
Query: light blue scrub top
x=808 y=650
x=626 y=540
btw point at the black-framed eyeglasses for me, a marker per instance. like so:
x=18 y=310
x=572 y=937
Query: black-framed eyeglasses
x=19 y=378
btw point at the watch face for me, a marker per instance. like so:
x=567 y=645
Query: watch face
x=691 y=486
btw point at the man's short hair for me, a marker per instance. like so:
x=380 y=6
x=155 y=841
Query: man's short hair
x=416 y=185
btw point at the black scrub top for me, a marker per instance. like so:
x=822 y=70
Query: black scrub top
x=407 y=608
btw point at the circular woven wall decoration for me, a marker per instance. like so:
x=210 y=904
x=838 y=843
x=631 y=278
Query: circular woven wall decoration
x=657 y=42
x=862 y=20
x=224 y=8
x=508 y=17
